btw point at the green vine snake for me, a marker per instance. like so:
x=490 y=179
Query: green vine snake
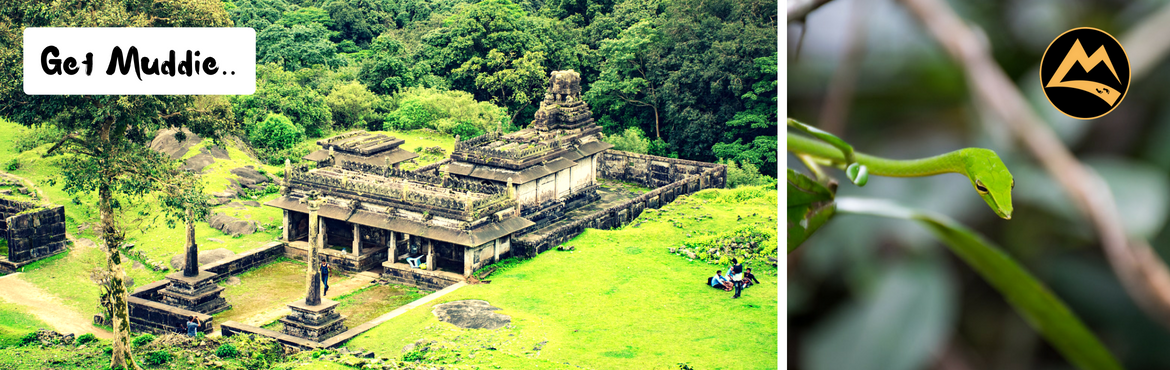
x=987 y=173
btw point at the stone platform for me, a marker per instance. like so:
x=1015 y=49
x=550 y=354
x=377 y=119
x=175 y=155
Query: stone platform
x=195 y=293
x=315 y=323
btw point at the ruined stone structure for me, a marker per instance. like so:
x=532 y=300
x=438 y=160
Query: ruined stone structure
x=464 y=212
x=552 y=164
x=34 y=231
x=315 y=317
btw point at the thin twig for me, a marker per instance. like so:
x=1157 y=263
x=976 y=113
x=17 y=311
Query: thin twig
x=797 y=9
x=839 y=98
x=1146 y=44
x=1143 y=274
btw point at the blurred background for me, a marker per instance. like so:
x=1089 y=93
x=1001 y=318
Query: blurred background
x=866 y=292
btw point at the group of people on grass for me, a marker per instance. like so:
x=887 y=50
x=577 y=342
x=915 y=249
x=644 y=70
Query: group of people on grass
x=736 y=279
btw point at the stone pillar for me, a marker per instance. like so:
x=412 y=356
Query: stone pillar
x=430 y=255
x=357 y=240
x=468 y=253
x=313 y=296
x=496 y=250
x=286 y=233
x=393 y=248
x=192 y=266
x=322 y=237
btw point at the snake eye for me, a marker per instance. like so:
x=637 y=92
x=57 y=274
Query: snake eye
x=1013 y=184
x=979 y=186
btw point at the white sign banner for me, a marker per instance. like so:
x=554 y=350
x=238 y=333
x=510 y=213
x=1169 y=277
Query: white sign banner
x=139 y=61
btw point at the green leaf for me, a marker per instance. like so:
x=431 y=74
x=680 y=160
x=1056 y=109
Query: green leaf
x=810 y=205
x=904 y=322
x=1035 y=302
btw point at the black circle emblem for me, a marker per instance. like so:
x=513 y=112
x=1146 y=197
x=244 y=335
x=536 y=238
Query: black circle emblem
x=1085 y=73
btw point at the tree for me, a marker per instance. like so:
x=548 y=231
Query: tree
x=105 y=133
x=257 y=14
x=351 y=103
x=387 y=71
x=276 y=132
x=758 y=120
x=296 y=46
x=630 y=72
x=632 y=140
x=279 y=91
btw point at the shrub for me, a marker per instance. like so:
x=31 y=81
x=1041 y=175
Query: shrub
x=27 y=339
x=227 y=350
x=37 y=136
x=159 y=357
x=632 y=140
x=12 y=165
x=86 y=338
x=142 y=340
x=276 y=132
x=442 y=111
x=466 y=130
x=350 y=103
x=745 y=174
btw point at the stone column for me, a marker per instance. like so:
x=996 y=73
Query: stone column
x=496 y=250
x=467 y=254
x=323 y=239
x=357 y=240
x=393 y=248
x=430 y=255
x=313 y=297
x=192 y=267
x=286 y=233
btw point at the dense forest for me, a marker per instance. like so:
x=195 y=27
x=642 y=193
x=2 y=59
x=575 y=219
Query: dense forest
x=689 y=79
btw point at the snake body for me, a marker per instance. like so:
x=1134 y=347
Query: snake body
x=983 y=167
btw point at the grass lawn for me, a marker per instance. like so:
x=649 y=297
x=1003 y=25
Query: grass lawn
x=368 y=303
x=266 y=288
x=67 y=276
x=15 y=323
x=619 y=301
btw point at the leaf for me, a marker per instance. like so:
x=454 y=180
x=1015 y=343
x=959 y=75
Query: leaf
x=1035 y=302
x=810 y=205
x=902 y=324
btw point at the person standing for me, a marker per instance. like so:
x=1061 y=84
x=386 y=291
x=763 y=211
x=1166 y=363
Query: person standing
x=736 y=273
x=325 y=276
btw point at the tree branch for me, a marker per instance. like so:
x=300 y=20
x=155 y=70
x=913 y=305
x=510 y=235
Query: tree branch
x=798 y=9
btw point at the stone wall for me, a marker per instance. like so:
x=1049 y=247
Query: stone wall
x=148 y=316
x=422 y=279
x=245 y=261
x=624 y=167
x=371 y=257
x=654 y=171
x=33 y=231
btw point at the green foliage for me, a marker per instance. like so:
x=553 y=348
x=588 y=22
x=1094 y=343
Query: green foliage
x=745 y=174
x=142 y=340
x=305 y=16
x=632 y=140
x=276 y=132
x=159 y=357
x=12 y=165
x=443 y=111
x=29 y=339
x=227 y=350
x=745 y=242
x=351 y=104
x=257 y=14
x=810 y=205
x=279 y=91
x=37 y=136
x=387 y=71
x=86 y=338
x=1041 y=309
x=296 y=46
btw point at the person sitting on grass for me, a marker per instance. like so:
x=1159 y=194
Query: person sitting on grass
x=749 y=279
x=720 y=281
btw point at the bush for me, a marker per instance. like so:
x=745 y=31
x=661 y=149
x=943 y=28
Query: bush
x=12 y=165
x=227 y=350
x=156 y=358
x=37 y=136
x=30 y=338
x=632 y=140
x=745 y=174
x=466 y=131
x=276 y=132
x=86 y=338
x=142 y=340
x=442 y=111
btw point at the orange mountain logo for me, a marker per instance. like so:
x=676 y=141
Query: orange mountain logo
x=1086 y=92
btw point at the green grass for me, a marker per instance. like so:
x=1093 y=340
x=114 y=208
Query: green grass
x=281 y=282
x=619 y=301
x=67 y=276
x=372 y=301
x=15 y=322
x=425 y=139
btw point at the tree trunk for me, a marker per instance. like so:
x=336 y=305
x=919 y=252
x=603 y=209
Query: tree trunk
x=656 y=133
x=121 y=357
x=192 y=267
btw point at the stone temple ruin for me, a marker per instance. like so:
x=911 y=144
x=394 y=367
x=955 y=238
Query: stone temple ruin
x=497 y=195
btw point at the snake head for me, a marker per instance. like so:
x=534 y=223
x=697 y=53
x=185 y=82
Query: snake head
x=991 y=180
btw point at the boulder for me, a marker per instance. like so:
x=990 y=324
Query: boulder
x=250 y=178
x=231 y=225
x=216 y=151
x=165 y=142
x=198 y=162
x=471 y=314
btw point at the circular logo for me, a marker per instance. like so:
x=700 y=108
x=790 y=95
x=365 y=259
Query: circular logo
x=1085 y=73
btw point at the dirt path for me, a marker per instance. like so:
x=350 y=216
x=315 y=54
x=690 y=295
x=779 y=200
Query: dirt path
x=47 y=307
